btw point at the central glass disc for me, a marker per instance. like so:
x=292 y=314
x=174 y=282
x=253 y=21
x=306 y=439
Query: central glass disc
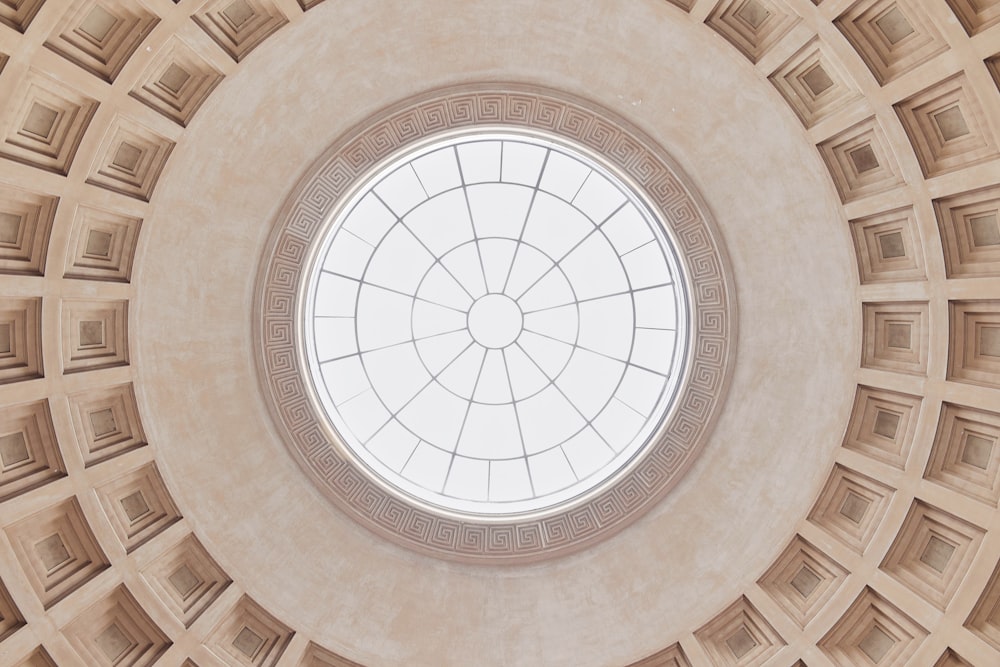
x=494 y=323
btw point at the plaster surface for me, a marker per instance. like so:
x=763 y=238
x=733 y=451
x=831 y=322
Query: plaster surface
x=715 y=533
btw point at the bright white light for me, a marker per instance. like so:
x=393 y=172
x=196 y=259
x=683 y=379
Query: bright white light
x=495 y=323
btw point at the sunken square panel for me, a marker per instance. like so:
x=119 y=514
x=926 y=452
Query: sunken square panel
x=239 y=26
x=250 y=636
x=976 y=15
x=11 y=619
x=138 y=506
x=970 y=232
x=895 y=336
x=101 y=35
x=17 y=14
x=672 y=656
x=752 y=26
x=932 y=553
x=57 y=550
x=106 y=421
x=38 y=658
x=95 y=334
x=860 y=161
x=130 y=159
x=974 y=350
x=947 y=127
x=891 y=36
x=44 y=128
x=309 y=4
x=29 y=452
x=873 y=631
x=739 y=637
x=951 y=659
x=883 y=424
x=850 y=507
x=984 y=621
x=186 y=579
x=20 y=339
x=177 y=82
x=117 y=631
x=812 y=85
x=802 y=580
x=965 y=456
x=102 y=245
x=888 y=247
x=25 y=226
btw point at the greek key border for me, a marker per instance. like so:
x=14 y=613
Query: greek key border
x=712 y=303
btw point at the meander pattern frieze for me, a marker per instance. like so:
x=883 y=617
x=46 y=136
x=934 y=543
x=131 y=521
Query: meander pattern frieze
x=711 y=304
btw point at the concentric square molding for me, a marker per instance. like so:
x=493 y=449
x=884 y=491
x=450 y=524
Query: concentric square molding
x=873 y=631
x=138 y=506
x=932 y=553
x=186 y=579
x=861 y=161
x=102 y=245
x=106 y=422
x=57 y=550
x=249 y=636
x=951 y=659
x=116 y=631
x=18 y=14
x=94 y=335
x=803 y=580
x=974 y=352
x=895 y=336
x=532 y=537
x=752 y=26
x=101 y=35
x=177 y=82
x=20 y=339
x=38 y=658
x=25 y=226
x=44 y=127
x=966 y=452
x=984 y=621
x=130 y=159
x=29 y=451
x=812 y=85
x=883 y=424
x=888 y=247
x=11 y=619
x=891 y=36
x=975 y=15
x=317 y=656
x=969 y=224
x=947 y=127
x=850 y=507
x=239 y=26
x=740 y=637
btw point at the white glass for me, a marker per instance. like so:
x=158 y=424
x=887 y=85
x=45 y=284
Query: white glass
x=495 y=323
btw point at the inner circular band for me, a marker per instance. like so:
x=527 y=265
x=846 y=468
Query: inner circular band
x=495 y=321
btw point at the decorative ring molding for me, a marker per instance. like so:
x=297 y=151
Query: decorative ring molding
x=518 y=538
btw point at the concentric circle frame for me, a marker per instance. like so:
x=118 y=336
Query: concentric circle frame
x=299 y=228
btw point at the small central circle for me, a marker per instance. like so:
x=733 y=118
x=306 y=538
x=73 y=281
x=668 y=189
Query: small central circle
x=495 y=320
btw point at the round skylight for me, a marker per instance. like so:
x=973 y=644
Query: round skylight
x=495 y=323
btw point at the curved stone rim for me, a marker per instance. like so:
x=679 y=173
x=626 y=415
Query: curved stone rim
x=300 y=421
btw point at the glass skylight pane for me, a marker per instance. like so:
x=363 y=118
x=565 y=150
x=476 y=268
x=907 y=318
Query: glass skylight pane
x=519 y=328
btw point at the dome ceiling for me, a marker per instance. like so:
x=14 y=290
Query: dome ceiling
x=842 y=511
